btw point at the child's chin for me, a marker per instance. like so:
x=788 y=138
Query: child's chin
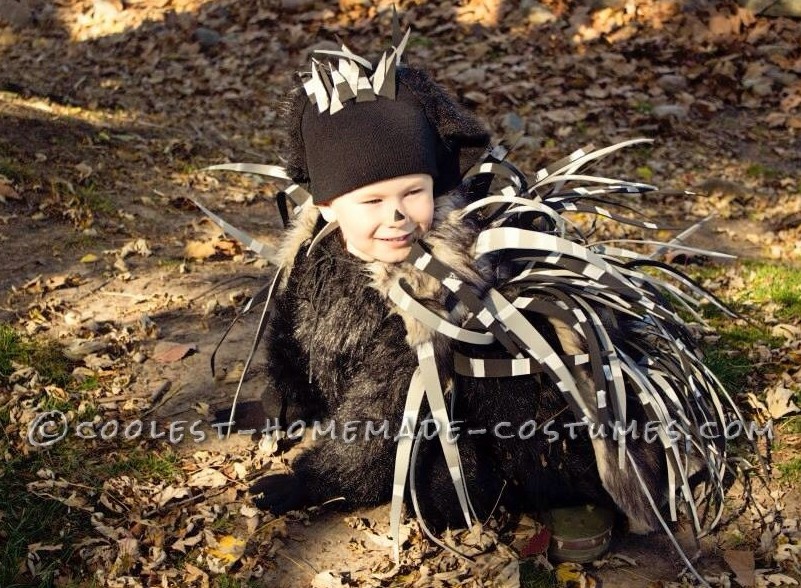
x=393 y=256
x=382 y=252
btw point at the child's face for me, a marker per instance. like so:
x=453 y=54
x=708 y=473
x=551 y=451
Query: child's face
x=380 y=221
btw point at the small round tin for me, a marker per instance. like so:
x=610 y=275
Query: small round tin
x=580 y=534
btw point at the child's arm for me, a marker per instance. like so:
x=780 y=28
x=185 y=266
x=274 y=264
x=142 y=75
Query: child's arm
x=355 y=457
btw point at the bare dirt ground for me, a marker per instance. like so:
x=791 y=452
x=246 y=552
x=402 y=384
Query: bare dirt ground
x=108 y=110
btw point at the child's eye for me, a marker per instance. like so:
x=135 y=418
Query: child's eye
x=373 y=201
x=414 y=191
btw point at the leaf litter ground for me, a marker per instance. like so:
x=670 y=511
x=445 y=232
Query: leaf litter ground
x=109 y=109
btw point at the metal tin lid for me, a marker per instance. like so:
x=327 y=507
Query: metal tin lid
x=580 y=533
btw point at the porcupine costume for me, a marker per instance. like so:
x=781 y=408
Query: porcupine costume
x=503 y=313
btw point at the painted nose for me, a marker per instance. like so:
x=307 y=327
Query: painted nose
x=399 y=216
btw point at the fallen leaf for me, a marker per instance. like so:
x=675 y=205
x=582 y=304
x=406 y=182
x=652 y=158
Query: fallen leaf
x=7 y=192
x=326 y=580
x=171 y=493
x=119 y=264
x=110 y=504
x=202 y=408
x=40 y=547
x=382 y=541
x=777 y=580
x=241 y=471
x=538 y=543
x=476 y=97
x=227 y=247
x=195 y=573
x=199 y=250
x=789 y=552
x=138 y=246
x=98 y=362
x=84 y=171
x=89 y=258
x=108 y=531
x=127 y=556
x=182 y=544
x=780 y=402
x=166 y=352
x=571 y=574
x=228 y=549
x=564 y=115
x=742 y=564
x=723 y=25
x=77 y=350
x=207 y=478
x=786 y=331
x=56 y=282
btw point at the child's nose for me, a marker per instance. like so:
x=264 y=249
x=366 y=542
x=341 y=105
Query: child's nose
x=397 y=215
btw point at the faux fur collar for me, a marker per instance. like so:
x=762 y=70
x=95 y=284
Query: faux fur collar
x=451 y=240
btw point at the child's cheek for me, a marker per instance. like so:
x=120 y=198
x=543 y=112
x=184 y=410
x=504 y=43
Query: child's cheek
x=427 y=225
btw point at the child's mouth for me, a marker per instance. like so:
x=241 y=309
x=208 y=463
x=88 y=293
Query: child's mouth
x=401 y=240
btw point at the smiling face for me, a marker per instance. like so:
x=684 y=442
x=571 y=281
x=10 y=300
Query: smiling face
x=380 y=221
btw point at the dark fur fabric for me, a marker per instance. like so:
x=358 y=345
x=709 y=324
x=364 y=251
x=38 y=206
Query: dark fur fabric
x=338 y=349
x=463 y=137
x=332 y=341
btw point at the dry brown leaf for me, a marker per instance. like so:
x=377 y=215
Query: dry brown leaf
x=115 y=533
x=193 y=574
x=564 y=115
x=786 y=331
x=200 y=249
x=62 y=281
x=724 y=25
x=98 y=362
x=166 y=352
x=208 y=249
x=597 y=92
x=171 y=493
x=476 y=97
x=7 y=192
x=127 y=556
x=84 y=171
x=110 y=504
x=228 y=247
x=780 y=402
x=240 y=470
x=182 y=544
x=792 y=99
x=327 y=580
x=776 y=119
x=770 y=579
x=207 y=478
x=742 y=564
x=138 y=246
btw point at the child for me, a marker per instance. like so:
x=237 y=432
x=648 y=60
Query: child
x=422 y=270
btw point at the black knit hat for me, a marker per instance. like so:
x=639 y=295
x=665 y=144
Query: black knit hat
x=367 y=142
x=415 y=127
